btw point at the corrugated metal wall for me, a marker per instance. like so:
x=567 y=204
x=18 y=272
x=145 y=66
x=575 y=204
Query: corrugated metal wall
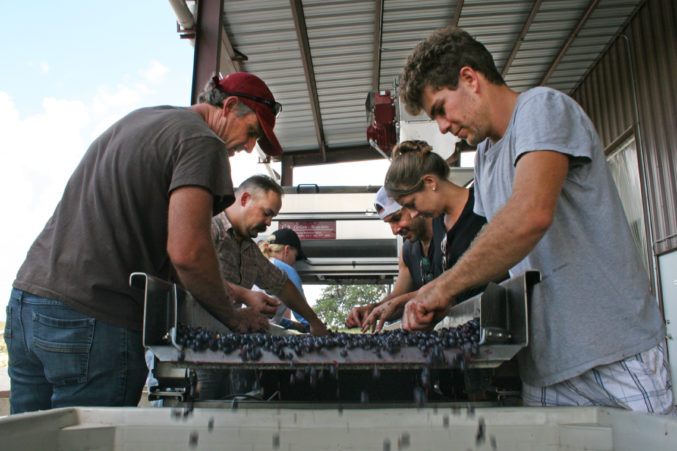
x=643 y=67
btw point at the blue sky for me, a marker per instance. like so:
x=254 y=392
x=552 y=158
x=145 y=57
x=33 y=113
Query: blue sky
x=70 y=50
x=71 y=69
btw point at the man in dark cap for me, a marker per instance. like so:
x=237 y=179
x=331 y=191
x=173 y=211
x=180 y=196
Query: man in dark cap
x=141 y=199
x=419 y=262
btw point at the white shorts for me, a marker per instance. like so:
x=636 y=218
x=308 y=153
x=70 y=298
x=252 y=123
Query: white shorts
x=640 y=383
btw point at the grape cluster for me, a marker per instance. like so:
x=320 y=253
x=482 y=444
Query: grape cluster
x=465 y=338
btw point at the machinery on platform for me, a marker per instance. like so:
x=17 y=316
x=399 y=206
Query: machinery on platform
x=503 y=324
x=382 y=129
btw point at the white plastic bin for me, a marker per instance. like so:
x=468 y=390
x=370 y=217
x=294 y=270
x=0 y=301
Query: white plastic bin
x=347 y=429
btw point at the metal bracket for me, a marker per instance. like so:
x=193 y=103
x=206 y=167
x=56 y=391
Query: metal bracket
x=165 y=305
x=502 y=310
x=504 y=321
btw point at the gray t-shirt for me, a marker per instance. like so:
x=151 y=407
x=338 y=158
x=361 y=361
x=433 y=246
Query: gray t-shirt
x=112 y=218
x=593 y=306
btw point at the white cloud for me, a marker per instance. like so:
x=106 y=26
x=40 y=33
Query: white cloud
x=39 y=152
x=130 y=93
x=42 y=66
x=155 y=72
x=111 y=104
x=123 y=97
x=44 y=146
x=8 y=112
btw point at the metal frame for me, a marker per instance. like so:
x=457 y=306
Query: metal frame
x=520 y=38
x=214 y=52
x=378 y=38
x=503 y=308
x=574 y=33
x=302 y=33
x=208 y=30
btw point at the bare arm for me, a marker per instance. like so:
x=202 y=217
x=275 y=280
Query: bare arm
x=190 y=248
x=509 y=237
x=257 y=300
x=389 y=310
x=293 y=299
x=404 y=284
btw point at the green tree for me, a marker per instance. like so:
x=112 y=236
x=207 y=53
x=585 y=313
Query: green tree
x=337 y=300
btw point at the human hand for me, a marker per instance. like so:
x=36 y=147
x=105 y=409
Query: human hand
x=387 y=311
x=425 y=310
x=318 y=328
x=261 y=302
x=416 y=317
x=357 y=315
x=248 y=320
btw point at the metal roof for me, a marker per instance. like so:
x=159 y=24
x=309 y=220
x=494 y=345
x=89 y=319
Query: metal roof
x=321 y=58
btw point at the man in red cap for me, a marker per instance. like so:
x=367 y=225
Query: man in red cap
x=250 y=91
x=141 y=199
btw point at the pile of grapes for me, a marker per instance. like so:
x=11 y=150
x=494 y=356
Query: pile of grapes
x=464 y=338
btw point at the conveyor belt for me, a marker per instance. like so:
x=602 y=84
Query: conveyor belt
x=502 y=310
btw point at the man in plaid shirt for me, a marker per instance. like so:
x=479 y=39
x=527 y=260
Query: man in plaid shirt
x=257 y=201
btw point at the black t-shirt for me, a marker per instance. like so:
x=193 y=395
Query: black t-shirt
x=112 y=218
x=459 y=238
x=412 y=254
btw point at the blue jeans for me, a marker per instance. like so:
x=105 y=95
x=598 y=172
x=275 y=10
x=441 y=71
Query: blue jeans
x=59 y=357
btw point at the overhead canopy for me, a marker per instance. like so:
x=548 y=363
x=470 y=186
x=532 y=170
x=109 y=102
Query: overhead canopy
x=321 y=58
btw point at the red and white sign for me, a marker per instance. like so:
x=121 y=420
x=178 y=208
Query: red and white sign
x=311 y=230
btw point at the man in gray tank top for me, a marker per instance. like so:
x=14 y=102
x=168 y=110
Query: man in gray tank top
x=541 y=179
x=420 y=260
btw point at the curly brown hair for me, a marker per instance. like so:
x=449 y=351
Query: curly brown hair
x=437 y=62
x=411 y=161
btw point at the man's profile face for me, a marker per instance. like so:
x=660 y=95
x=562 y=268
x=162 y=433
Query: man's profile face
x=417 y=228
x=260 y=209
x=457 y=111
x=401 y=223
x=241 y=133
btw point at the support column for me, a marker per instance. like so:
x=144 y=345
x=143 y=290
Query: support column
x=207 y=44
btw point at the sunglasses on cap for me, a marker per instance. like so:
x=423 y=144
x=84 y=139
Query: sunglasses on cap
x=275 y=107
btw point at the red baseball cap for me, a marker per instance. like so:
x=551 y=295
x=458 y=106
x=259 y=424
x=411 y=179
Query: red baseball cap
x=254 y=93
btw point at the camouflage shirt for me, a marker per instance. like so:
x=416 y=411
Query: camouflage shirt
x=242 y=263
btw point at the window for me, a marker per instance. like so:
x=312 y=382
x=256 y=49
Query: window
x=625 y=172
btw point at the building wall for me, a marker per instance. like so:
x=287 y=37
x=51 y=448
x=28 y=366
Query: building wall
x=633 y=89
